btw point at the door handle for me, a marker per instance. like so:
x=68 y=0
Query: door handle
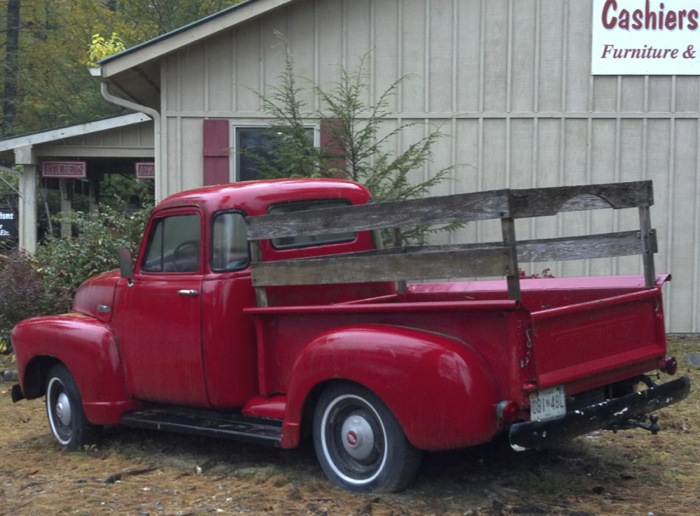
x=190 y=293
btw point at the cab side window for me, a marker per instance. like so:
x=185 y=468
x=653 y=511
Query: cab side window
x=230 y=246
x=173 y=245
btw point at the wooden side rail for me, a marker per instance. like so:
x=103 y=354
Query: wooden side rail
x=496 y=204
x=393 y=264
x=454 y=261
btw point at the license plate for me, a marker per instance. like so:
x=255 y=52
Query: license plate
x=547 y=403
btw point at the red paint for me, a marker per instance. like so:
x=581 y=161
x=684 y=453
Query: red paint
x=216 y=151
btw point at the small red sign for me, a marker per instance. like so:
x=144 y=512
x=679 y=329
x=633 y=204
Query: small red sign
x=64 y=169
x=145 y=170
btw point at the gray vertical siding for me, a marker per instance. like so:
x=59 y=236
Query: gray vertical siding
x=509 y=82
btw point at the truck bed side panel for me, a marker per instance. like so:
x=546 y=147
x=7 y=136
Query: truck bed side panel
x=447 y=361
x=283 y=332
x=439 y=390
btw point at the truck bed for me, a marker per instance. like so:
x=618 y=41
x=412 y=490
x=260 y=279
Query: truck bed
x=581 y=333
x=578 y=332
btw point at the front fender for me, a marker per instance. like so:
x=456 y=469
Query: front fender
x=438 y=388
x=87 y=347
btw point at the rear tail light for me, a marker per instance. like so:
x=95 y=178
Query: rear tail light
x=508 y=411
x=670 y=366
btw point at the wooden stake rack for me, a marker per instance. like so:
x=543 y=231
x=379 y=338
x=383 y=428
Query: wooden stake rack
x=437 y=262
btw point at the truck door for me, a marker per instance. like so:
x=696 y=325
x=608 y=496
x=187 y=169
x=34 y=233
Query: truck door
x=160 y=317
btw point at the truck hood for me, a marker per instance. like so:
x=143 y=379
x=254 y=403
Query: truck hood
x=95 y=297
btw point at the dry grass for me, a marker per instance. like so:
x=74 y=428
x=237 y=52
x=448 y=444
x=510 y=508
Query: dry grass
x=135 y=472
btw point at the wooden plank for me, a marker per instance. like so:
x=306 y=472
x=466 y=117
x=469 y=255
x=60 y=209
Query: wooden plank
x=401 y=285
x=452 y=208
x=416 y=264
x=256 y=257
x=649 y=247
x=409 y=213
x=440 y=262
x=586 y=247
x=509 y=240
x=539 y=202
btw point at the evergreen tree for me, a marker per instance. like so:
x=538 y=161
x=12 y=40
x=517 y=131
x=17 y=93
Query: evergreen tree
x=355 y=146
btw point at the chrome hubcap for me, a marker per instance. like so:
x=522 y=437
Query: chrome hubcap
x=357 y=437
x=63 y=409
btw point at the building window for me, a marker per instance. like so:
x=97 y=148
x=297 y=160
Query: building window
x=252 y=143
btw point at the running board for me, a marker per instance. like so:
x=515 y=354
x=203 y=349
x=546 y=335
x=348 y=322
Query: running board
x=207 y=423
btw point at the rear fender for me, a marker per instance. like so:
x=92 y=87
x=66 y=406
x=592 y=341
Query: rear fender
x=87 y=347
x=438 y=388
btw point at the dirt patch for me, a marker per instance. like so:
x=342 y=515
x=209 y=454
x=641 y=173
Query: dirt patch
x=140 y=472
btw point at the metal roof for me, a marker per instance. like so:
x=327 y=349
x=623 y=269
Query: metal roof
x=186 y=35
x=51 y=135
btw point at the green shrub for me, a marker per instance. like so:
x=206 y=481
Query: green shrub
x=67 y=262
x=24 y=293
x=46 y=282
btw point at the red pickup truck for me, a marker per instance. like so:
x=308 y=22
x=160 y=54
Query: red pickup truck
x=270 y=312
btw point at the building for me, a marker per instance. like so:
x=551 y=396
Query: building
x=531 y=93
x=60 y=158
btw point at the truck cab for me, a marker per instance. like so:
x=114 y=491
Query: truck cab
x=195 y=260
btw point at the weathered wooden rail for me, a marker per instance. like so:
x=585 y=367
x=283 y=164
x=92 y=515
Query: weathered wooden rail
x=454 y=261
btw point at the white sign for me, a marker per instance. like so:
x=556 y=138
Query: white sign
x=8 y=226
x=646 y=37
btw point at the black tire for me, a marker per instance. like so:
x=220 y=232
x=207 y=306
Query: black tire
x=64 y=409
x=359 y=444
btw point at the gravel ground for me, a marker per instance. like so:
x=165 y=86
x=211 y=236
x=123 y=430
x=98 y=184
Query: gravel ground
x=140 y=472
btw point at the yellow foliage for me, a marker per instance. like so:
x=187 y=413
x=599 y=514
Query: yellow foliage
x=100 y=48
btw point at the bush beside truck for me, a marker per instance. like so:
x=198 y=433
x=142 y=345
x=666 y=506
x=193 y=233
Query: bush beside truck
x=45 y=283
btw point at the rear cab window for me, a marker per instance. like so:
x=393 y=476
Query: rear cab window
x=301 y=241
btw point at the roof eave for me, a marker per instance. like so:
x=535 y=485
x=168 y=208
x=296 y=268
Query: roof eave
x=71 y=131
x=171 y=42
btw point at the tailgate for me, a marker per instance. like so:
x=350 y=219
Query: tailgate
x=598 y=342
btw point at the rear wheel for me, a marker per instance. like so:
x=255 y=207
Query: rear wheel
x=64 y=409
x=359 y=443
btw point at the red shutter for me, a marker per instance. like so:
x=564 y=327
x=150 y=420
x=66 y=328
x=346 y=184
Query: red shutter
x=332 y=149
x=216 y=152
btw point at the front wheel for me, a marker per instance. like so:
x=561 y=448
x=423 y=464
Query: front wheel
x=359 y=443
x=64 y=409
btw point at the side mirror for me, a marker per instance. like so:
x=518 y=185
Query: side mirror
x=126 y=266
